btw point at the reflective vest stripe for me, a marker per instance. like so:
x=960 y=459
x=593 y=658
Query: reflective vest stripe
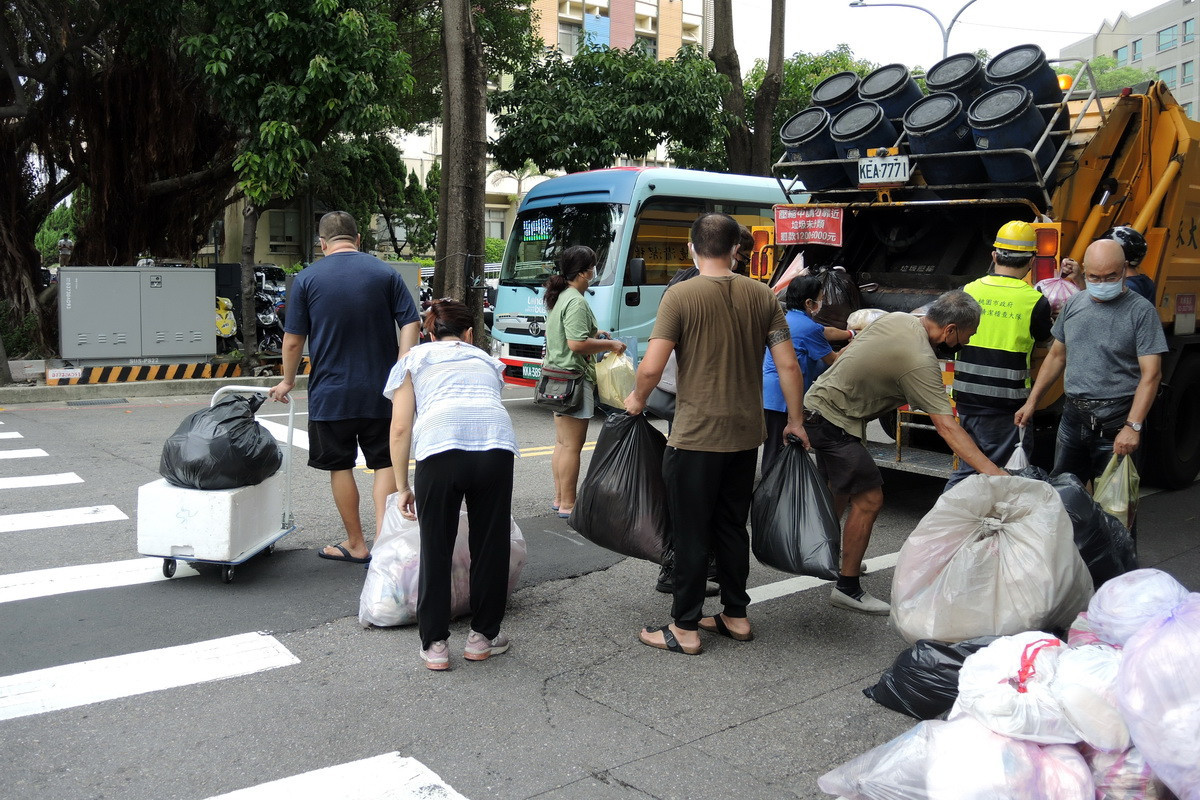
x=985 y=390
x=967 y=368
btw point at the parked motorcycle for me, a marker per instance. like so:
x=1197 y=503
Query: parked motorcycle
x=270 y=328
x=227 y=327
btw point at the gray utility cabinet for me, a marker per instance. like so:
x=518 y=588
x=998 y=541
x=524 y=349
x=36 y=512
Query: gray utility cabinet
x=139 y=314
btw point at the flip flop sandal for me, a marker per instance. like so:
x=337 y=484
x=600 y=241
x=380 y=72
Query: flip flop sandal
x=669 y=641
x=345 y=556
x=720 y=627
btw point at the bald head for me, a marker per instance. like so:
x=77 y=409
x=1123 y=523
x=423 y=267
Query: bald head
x=1104 y=261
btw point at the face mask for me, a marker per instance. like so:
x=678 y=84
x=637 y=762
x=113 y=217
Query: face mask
x=944 y=350
x=1105 y=291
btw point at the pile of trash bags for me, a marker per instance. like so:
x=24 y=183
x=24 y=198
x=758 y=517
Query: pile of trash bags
x=389 y=594
x=1112 y=712
x=222 y=447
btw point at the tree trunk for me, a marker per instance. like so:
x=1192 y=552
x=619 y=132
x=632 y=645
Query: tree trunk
x=5 y=372
x=462 y=194
x=725 y=57
x=249 y=320
x=768 y=97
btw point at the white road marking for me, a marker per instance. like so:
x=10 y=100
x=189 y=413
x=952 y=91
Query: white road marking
x=87 y=682
x=10 y=523
x=387 y=777
x=30 y=481
x=11 y=435
x=85 y=577
x=802 y=583
x=33 y=452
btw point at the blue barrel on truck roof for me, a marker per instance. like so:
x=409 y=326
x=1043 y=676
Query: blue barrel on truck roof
x=859 y=129
x=938 y=124
x=892 y=87
x=961 y=75
x=1026 y=65
x=836 y=93
x=1004 y=118
x=806 y=137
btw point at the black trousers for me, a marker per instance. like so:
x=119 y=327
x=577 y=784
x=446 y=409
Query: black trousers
x=709 y=495
x=442 y=482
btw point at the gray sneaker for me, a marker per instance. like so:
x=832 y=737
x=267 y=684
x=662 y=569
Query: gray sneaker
x=437 y=657
x=479 y=648
x=864 y=605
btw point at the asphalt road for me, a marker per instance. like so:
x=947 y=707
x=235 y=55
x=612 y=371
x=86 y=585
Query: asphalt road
x=577 y=709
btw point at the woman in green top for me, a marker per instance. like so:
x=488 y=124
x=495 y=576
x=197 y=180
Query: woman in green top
x=571 y=341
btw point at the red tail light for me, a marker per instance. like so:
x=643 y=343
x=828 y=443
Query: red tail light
x=1047 y=242
x=1044 y=267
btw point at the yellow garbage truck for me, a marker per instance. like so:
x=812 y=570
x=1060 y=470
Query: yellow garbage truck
x=908 y=222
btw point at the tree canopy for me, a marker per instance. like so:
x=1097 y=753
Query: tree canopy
x=586 y=111
x=1109 y=76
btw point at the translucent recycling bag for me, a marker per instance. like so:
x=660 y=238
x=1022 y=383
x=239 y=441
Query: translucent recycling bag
x=923 y=680
x=1085 y=686
x=961 y=760
x=615 y=378
x=995 y=556
x=1018 y=460
x=1124 y=604
x=1158 y=692
x=622 y=503
x=1117 y=489
x=1103 y=542
x=1123 y=776
x=792 y=524
x=389 y=593
x=222 y=447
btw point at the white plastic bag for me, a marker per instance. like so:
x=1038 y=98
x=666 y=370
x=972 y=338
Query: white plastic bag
x=1057 y=290
x=615 y=379
x=1018 y=460
x=1127 y=602
x=1123 y=776
x=1063 y=774
x=1158 y=691
x=995 y=556
x=1085 y=686
x=863 y=317
x=389 y=594
x=1006 y=687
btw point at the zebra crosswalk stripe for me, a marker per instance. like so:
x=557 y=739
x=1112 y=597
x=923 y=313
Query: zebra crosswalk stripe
x=386 y=777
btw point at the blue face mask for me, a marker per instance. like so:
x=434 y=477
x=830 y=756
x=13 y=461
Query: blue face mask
x=1105 y=291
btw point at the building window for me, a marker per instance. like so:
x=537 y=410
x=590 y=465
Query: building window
x=1168 y=38
x=1187 y=73
x=570 y=37
x=648 y=44
x=494 y=224
x=1137 y=50
x=1121 y=54
x=1168 y=76
x=1189 y=31
x=1187 y=109
x=285 y=225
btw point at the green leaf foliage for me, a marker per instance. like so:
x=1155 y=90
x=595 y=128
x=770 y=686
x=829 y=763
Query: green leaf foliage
x=62 y=221
x=584 y=112
x=1109 y=77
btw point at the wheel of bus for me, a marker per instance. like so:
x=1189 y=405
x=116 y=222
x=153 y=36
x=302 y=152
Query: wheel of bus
x=1175 y=458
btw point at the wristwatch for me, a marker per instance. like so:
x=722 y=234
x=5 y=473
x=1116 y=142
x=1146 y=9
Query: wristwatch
x=1137 y=426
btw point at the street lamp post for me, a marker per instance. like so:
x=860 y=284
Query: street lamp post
x=945 y=29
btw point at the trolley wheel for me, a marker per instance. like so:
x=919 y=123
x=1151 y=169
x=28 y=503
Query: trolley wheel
x=270 y=549
x=168 y=568
x=227 y=573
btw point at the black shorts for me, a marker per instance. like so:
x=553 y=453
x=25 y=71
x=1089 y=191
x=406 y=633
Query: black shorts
x=333 y=446
x=842 y=458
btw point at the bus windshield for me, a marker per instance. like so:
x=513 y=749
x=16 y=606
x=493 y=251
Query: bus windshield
x=541 y=235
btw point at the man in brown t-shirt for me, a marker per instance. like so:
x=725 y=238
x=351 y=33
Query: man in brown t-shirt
x=893 y=362
x=718 y=324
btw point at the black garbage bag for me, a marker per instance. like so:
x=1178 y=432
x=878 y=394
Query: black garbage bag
x=1102 y=541
x=222 y=447
x=792 y=524
x=622 y=504
x=923 y=680
x=842 y=296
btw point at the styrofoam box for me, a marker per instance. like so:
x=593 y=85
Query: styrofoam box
x=219 y=525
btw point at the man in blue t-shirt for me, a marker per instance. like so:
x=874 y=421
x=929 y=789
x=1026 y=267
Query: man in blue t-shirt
x=347 y=305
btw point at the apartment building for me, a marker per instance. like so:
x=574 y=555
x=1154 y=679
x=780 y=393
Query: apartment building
x=661 y=26
x=1162 y=40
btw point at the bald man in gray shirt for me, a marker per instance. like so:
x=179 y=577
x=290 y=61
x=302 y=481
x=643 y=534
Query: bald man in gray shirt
x=1109 y=341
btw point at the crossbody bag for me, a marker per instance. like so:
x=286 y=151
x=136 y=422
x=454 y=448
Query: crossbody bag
x=560 y=390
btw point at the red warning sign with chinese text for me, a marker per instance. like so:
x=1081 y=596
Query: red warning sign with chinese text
x=805 y=225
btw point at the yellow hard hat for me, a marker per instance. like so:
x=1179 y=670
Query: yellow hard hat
x=1016 y=235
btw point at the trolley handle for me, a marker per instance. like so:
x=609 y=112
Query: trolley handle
x=286 y=521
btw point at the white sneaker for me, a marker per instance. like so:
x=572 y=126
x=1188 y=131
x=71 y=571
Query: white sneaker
x=479 y=647
x=864 y=605
x=437 y=657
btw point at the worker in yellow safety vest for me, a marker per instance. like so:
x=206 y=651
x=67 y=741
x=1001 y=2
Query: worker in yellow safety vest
x=991 y=374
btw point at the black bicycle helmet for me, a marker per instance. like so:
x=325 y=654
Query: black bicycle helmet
x=1132 y=242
